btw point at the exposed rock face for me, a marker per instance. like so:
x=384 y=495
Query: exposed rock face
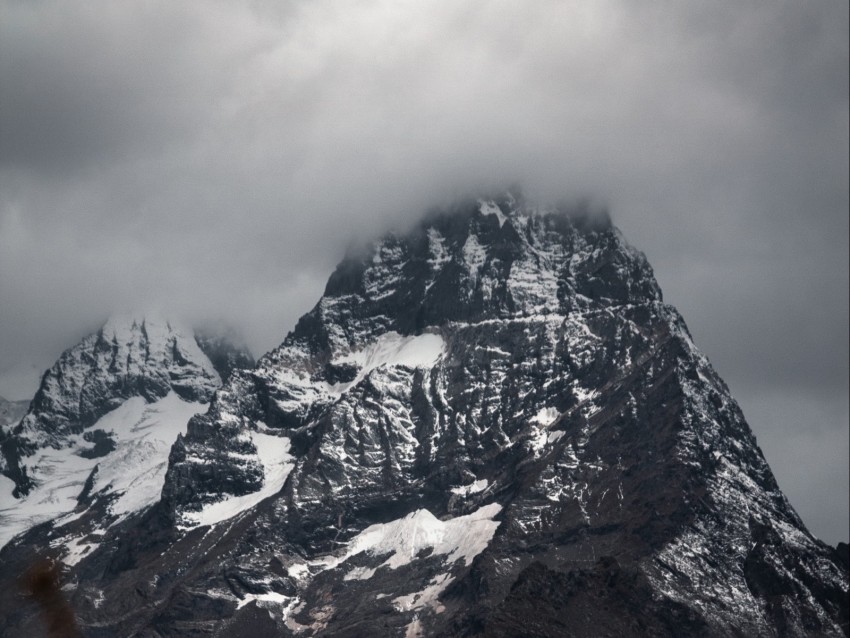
x=225 y=350
x=843 y=552
x=491 y=425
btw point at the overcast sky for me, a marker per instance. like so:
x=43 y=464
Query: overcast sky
x=213 y=160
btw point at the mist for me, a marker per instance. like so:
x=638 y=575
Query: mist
x=212 y=161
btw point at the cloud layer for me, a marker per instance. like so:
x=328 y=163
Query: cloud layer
x=214 y=160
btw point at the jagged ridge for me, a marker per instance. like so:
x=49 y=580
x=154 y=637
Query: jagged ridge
x=96 y=436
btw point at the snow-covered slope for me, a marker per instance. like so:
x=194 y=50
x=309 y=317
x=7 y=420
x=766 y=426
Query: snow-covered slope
x=102 y=424
x=489 y=426
x=126 y=479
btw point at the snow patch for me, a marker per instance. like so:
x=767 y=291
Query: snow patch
x=458 y=538
x=427 y=597
x=554 y=436
x=583 y=395
x=473 y=488
x=540 y=438
x=268 y=597
x=546 y=416
x=360 y=573
x=437 y=247
x=490 y=208
x=273 y=454
x=391 y=349
x=284 y=606
x=75 y=549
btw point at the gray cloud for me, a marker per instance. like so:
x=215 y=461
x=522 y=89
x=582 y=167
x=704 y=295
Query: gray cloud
x=214 y=160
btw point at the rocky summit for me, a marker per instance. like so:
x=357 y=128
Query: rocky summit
x=489 y=425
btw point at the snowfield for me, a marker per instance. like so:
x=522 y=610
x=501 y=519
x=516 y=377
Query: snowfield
x=133 y=472
x=392 y=349
x=458 y=538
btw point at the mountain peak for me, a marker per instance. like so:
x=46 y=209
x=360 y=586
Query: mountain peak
x=483 y=259
x=131 y=355
x=516 y=365
x=220 y=343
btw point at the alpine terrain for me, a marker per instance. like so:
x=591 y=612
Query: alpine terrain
x=490 y=425
x=100 y=428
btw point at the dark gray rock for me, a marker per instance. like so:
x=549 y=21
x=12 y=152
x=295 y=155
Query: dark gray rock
x=225 y=350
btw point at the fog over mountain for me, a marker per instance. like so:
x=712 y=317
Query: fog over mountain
x=213 y=161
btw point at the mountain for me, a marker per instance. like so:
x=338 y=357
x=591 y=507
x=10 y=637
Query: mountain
x=103 y=421
x=489 y=425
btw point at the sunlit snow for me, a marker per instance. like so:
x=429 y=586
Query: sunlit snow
x=392 y=349
x=546 y=416
x=134 y=470
x=462 y=537
x=473 y=488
